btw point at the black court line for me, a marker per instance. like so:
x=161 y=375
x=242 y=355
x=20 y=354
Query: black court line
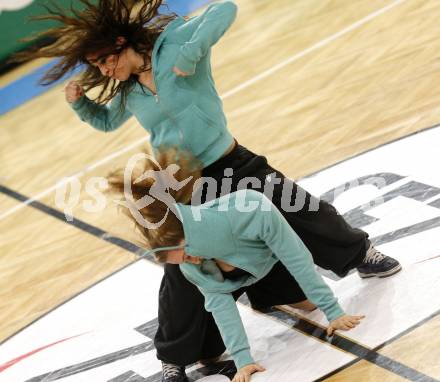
x=67 y=300
x=345 y=344
x=360 y=351
x=93 y=363
x=381 y=346
x=77 y=223
x=306 y=327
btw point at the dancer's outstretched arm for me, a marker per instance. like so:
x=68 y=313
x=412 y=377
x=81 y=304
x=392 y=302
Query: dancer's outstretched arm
x=224 y=309
x=225 y=312
x=204 y=31
x=274 y=230
x=102 y=117
x=287 y=246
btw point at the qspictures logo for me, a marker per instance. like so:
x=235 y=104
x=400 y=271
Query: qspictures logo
x=289 y=196
x=163 y=181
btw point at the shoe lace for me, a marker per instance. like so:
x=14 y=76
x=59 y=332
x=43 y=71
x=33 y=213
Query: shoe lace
x=374 y=256
x=170 y=370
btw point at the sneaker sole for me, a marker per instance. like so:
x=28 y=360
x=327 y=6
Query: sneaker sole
x=391 y=272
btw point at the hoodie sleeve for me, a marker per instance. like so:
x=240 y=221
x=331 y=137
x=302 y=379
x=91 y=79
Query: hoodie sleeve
x=225 y=312
x=286 y=245
x=208 y=28
x=101 y=117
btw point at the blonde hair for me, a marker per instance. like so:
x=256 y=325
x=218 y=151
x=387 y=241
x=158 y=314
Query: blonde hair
x=170 y=232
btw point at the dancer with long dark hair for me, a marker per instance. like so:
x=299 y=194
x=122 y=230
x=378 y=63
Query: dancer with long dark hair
x=157 y=68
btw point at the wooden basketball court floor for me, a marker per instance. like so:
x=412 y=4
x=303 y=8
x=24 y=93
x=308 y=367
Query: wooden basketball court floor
x=307 y=83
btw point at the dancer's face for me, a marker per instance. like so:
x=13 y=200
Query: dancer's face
x=117 y=66
x=178 y=256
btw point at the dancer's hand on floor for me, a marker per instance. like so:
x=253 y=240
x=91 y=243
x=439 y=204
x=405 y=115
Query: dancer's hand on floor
x=345 y=322
x=244 y=374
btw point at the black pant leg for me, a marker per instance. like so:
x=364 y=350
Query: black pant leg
x=334 y=244
x=187 y=332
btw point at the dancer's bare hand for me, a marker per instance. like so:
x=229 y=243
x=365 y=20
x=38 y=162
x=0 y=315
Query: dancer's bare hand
x=73 y=91
x=244 y=374
x=179 y=72
x=344 y=323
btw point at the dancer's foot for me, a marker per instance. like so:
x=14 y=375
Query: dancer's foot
x=378 y=264
x=173 y=373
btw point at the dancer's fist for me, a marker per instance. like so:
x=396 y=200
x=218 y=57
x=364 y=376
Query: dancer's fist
x=73 y=91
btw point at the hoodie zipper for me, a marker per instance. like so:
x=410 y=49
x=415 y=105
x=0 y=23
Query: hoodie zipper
x=154 y=94
x=216 y=290
x=210 y=290
x=240 y=267
x=157 y=99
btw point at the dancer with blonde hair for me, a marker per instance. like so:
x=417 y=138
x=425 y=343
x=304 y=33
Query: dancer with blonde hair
x=225 y=248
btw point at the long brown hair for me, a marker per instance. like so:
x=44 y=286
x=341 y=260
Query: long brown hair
x=170 y=232
x=96 y=28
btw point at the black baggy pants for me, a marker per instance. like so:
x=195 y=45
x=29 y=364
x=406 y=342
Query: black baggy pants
x=187 y=332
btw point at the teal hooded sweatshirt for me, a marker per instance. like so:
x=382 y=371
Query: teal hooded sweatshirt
x=186 y=111
x=246 y=230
